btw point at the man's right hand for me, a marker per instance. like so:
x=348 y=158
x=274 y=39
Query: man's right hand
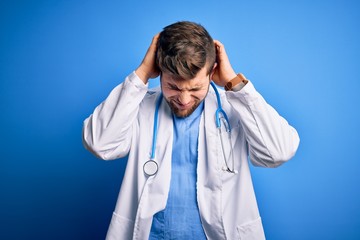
x=148 y=68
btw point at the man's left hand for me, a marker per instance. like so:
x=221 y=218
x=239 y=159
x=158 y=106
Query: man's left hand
x=223 y=71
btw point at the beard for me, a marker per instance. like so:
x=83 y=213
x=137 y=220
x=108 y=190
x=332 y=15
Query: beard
x=179 y=112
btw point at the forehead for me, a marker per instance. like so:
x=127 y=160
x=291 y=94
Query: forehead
x=202 y=78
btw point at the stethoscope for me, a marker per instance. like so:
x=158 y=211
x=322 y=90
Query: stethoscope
x=151 y=167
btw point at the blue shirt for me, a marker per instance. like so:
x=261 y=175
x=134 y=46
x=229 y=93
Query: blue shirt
x=181 y=219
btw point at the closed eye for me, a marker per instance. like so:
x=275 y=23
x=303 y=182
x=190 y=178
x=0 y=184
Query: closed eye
x=173 y=87
x=176 y=88
x=195 y=89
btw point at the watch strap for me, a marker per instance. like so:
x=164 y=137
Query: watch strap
x=240 y=78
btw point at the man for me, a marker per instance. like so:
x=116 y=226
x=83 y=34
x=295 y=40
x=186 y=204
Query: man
x=198 y=186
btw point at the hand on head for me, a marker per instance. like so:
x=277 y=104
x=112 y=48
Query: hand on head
x=223 y=71
x=148 y=68
x=221 y=74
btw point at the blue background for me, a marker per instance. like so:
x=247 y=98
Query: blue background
x=59 y=59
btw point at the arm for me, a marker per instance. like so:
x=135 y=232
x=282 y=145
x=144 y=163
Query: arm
x=107 y=132
x=271 y=139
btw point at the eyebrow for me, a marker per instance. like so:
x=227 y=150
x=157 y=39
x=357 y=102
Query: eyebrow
x=195 y=88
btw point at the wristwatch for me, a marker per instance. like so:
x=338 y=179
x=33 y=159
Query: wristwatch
x=239 y=79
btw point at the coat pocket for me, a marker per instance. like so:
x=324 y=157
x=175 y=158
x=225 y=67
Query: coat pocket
x=251 y=231
x=120 y=228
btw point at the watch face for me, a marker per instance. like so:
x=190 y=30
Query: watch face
x=228 y=86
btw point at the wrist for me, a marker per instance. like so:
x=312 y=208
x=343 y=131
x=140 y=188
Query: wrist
x=142 y=75
x=229 y=77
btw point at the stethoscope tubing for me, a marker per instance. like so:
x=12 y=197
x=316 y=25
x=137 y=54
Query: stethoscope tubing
x=151 y=163
x=155 y=129
x=220 y=110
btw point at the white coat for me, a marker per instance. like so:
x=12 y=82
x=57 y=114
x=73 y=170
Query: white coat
x=122 y=125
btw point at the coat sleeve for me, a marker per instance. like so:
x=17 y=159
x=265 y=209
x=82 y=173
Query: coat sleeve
x=107 y=131
x=271 y=140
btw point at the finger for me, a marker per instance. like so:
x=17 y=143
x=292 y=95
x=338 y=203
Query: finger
x=218 y=45
x=219 y=51
x=217 y=42
x=155 y=40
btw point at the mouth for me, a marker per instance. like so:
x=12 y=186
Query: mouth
x=182 y=110
x=181 y=106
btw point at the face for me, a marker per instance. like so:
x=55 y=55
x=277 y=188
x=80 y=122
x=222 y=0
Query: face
x=184 y=96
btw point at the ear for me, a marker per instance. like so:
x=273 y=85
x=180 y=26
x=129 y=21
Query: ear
x=213 y=70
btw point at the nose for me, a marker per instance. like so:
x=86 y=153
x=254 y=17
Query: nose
x=184 y=98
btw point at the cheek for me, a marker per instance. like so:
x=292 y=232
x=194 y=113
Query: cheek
x=201 y=95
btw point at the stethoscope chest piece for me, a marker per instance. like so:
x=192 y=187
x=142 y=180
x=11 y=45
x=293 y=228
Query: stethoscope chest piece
x=150 y=167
